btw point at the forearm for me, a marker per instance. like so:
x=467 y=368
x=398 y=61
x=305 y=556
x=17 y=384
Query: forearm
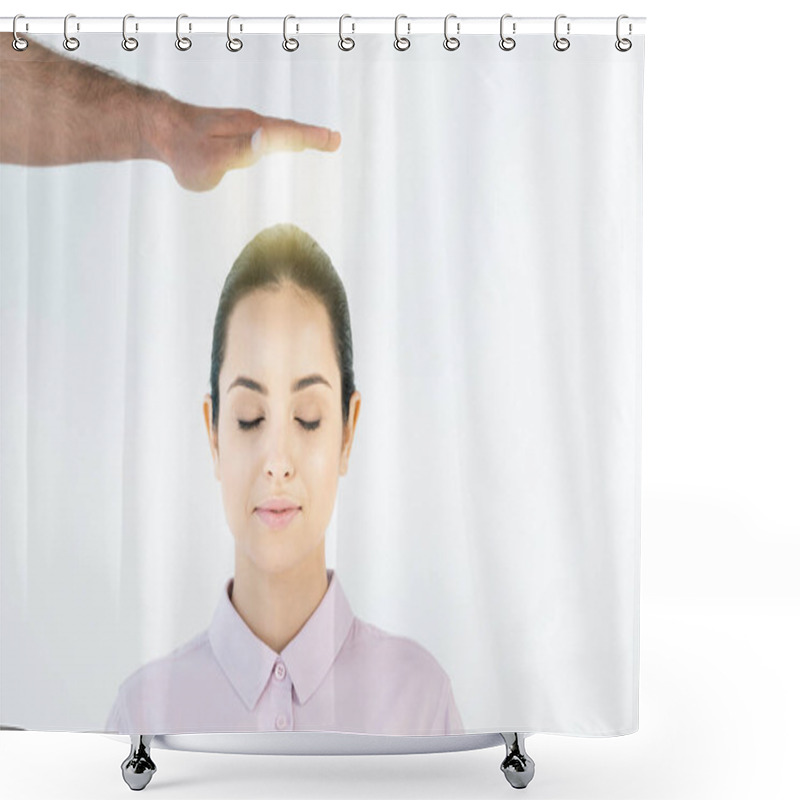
x=59 y=110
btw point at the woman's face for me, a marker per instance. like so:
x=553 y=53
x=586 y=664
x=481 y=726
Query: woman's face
x=280 y=435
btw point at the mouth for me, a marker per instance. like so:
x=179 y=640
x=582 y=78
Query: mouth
x=275 y=518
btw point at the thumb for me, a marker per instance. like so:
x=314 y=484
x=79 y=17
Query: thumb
x=257 y=142
x=240 y=151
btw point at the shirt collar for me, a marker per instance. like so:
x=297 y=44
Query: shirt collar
x=247 y=661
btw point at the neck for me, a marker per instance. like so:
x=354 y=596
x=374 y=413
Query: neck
x=276 y=605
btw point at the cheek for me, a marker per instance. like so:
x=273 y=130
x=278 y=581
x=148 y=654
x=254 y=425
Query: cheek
x=321 y=461
x=237 y=465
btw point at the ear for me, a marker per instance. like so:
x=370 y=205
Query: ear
x=213 y=439
x=349 y=431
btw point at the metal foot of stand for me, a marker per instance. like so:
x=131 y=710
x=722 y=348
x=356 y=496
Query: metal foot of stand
x=517 y=766
x=138 y=767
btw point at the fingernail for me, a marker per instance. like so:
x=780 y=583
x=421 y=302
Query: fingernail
x=255 y=141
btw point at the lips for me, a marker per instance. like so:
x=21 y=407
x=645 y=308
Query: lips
x=277 y=505
x=277 y=514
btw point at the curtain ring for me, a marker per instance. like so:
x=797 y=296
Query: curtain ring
x=70 y=42
x=401 y=42
x=345 y=42
x=182 y=42
x=506 y=42
x=561 y=43
x=623 y=45
x=128 y=42
x=290 y=45
x=18 y=42
x=451 y=42
x=234 y=45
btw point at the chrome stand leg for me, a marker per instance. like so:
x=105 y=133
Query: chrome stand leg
x=517 y=766
x=138 y=767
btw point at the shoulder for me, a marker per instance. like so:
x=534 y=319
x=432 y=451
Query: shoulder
x=398 y=655
x=170 y=666
x=155 y=684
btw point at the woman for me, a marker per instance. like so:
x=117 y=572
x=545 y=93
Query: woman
x=284 y=650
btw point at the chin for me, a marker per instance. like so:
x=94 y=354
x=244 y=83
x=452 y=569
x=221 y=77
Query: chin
x=274 y=556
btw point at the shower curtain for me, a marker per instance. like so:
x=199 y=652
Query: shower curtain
x=444 y=542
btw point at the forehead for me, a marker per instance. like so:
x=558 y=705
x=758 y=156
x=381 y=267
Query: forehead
x=285 y=330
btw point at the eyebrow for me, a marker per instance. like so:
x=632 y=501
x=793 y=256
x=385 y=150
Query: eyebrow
x=302 y=383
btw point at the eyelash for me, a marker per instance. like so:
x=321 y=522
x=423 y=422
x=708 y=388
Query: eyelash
x=247 y=425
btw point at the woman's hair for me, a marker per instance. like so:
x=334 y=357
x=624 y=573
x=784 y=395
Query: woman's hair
x=284 y=253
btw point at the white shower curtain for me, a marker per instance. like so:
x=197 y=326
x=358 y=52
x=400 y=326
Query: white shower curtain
x=484 y=214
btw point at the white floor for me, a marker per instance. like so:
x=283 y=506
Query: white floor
x=719 y=701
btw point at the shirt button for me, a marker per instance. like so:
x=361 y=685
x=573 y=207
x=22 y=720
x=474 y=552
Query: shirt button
x=280 y=722
x=280 y=671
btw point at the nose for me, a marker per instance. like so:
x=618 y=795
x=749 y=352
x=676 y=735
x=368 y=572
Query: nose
x=277 y=461
x=278 y=470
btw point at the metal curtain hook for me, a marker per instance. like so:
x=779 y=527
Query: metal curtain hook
x=128 y=42
x=561 y=43
x=506 y=42
x=18 y=42
x=623 y=45
x=401 y=42
x=234 y=45
x=346 y=43
x=451 y=42
x=289 y=45
x=70 y=42
x=182 y=42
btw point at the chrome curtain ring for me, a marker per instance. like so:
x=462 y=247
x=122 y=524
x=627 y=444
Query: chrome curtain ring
x=561 y=43
x=290 y=45
x=623 y=45
x=401 y=42
x=345 y=42
x=70 y=42
x=18 y=42
x=451 y=42
x=506 y=42
x=128 y=42
x=182 y=42
x=234 y=45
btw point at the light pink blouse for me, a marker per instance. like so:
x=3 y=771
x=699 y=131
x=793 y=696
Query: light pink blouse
x=338 y=673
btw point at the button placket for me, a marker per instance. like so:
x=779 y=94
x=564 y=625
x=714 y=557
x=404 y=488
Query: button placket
x=283 y=717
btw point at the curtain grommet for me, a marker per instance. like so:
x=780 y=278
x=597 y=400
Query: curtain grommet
x=289 y=44
x=19 y=43
x=70 y=42
x=234 y=45
x=183 y=43
x=451 y=42
x=561 y=43
x=401 y=42
x=346 y=43
x=507 y=42
x=129 y=43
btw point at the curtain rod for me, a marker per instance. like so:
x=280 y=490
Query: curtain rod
x=326 y=25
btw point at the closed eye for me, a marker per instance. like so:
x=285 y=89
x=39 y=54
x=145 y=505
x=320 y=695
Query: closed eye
x=247 y=425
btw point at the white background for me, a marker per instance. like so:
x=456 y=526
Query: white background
x=720 y=608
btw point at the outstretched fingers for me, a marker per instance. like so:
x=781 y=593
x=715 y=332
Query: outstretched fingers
x=286 y=134
x=223 y=139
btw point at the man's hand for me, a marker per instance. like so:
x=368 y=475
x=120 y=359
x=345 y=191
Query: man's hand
x=60 y=110
x=201 y=144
